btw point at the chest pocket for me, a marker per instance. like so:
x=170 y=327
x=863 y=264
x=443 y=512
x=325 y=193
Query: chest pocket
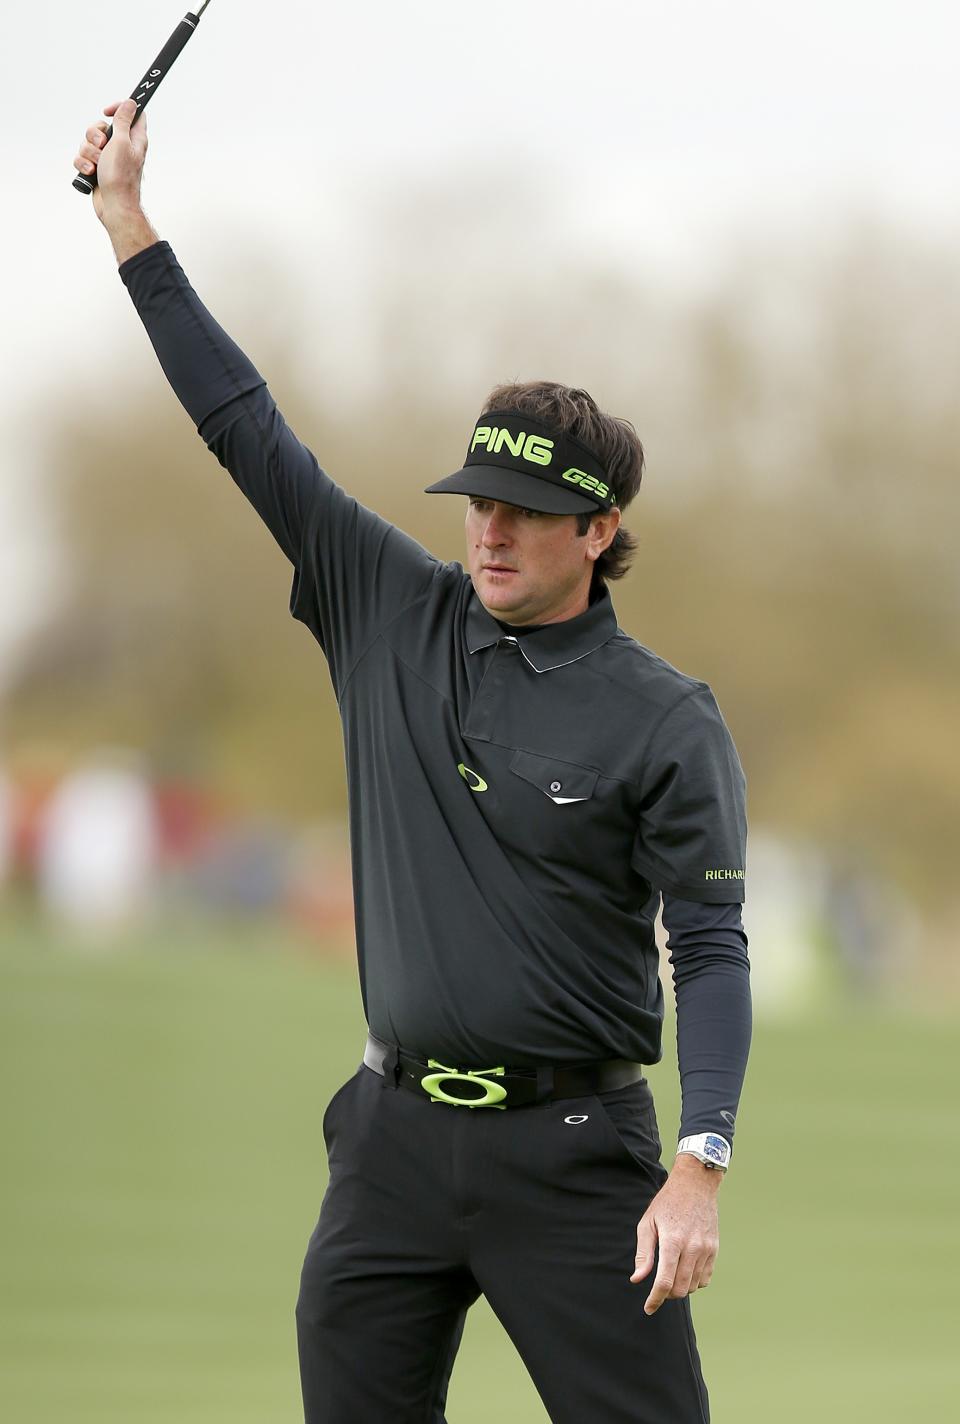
x=562 y=781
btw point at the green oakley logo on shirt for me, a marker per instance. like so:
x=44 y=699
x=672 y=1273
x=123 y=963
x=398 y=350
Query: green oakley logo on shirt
x=535 y=448
x=472 y=778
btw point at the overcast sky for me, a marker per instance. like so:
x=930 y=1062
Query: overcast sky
x=661 y=130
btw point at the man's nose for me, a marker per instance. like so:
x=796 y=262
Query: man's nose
x=496 y=531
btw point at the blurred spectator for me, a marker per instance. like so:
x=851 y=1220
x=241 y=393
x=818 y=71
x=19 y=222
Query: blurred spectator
x=868 y=923
x=188 y=815
x=785 y=889
x=321 y=888
x=34 y=777
x=98 y=844
x=6 y=829
x=244 y=870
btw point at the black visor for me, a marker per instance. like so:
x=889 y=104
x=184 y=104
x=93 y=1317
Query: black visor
x=521 y=461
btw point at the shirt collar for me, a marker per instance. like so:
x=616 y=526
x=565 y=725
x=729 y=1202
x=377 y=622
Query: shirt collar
x=554 y=645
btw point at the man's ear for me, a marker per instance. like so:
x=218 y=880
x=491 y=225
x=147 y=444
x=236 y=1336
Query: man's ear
x=600 y=535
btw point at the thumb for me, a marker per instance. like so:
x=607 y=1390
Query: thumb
x=124 y=117
x=646 y=1248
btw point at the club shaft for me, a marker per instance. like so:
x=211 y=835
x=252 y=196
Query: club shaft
x=151 y=81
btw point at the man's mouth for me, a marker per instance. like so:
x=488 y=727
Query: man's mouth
x=498 y=569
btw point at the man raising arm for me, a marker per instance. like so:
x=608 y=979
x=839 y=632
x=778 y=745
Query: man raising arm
x=526 y=782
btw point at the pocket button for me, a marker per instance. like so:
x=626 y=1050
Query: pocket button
x=556 y=786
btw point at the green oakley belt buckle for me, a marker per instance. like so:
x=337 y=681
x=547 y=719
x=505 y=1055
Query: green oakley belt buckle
x=494 y=1092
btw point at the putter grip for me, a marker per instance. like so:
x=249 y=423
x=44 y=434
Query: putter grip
x=148 y=86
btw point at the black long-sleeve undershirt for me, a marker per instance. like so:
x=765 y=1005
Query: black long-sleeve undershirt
x=707 y=947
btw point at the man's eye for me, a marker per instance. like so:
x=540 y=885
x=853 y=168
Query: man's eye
x=531 y=513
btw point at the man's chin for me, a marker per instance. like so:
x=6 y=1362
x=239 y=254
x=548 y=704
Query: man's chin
x=502 y=588
x=500 y=594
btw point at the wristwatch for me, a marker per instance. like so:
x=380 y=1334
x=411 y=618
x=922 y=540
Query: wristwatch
x=709 y=1148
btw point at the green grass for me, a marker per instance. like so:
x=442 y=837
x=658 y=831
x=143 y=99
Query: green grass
x=162 y=1167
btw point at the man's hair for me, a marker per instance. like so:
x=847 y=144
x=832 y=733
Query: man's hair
x=613 y=440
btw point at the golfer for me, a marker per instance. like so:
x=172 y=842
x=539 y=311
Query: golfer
x=527 y=784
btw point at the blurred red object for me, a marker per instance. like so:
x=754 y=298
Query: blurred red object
x=31 y=793
x=188 y=818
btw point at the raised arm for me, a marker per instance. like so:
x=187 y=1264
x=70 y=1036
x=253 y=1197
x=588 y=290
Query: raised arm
x=219 y=387
x=353 y=570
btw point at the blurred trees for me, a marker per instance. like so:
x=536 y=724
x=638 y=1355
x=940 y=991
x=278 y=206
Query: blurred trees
x=796 y=522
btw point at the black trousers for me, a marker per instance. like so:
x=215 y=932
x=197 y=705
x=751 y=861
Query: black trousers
x=428 y=1206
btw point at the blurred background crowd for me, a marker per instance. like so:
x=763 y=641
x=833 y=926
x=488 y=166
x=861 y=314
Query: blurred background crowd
x=103 y=847
x=103 y=850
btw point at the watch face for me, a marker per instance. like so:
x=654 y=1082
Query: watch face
x=716 y=1149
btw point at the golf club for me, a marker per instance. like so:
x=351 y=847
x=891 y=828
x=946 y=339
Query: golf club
x=151 y=81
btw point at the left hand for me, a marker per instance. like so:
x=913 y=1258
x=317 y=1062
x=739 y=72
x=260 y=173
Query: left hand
x=682 y=1219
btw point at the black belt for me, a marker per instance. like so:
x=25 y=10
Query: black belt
x=496 y=1087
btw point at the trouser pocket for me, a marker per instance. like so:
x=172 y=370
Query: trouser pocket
x=630 y=1116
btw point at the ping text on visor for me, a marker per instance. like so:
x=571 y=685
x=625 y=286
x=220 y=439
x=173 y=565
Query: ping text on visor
x=569 y=475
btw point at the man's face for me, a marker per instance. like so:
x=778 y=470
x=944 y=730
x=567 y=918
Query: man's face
x=529 y=567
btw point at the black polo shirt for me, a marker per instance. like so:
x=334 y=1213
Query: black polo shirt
x=516 y=804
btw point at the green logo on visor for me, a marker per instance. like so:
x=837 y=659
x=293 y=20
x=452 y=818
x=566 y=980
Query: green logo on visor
x=535 y=448
x=493 y=1095
x=588 y=483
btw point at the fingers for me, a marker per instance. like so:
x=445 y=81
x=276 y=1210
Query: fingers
x=86 y=160
x=124 y=114
x=95 y=140
x=680 y=1270
x=678 y=1275
x=686 y=1277
x=663 y=1285
x=703 y=1271
x=88 y=155
x=646 y=1249
x=132 y=148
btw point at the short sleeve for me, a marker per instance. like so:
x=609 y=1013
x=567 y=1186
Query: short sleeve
x=692 y=832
